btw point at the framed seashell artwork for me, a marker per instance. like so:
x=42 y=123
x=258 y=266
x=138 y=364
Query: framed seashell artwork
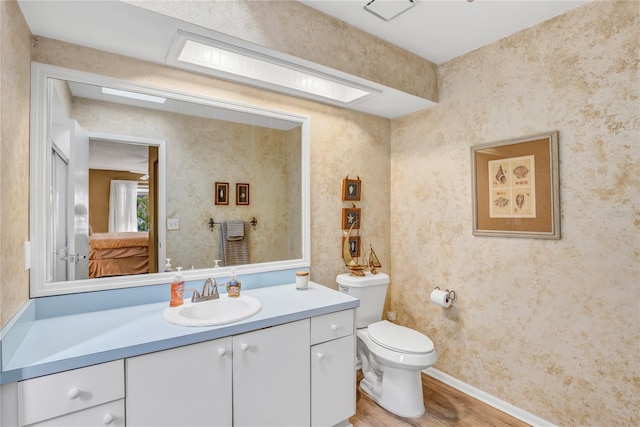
x=351 y=216
x=222 y=193
x=354 y=245
x=515 y=187
x=242 y=194
x=351 y=189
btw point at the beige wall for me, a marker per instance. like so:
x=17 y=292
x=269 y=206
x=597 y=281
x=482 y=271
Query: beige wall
x=549 y=326
x=15 y=44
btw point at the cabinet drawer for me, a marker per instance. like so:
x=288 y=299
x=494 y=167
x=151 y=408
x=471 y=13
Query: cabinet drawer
x=331 y=326
x=58 y=394
x=108 y=414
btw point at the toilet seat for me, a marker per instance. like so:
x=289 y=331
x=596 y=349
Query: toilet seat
x=399 y=338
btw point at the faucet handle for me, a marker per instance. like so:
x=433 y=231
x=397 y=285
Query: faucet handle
x=196 y=295
x=214 y=291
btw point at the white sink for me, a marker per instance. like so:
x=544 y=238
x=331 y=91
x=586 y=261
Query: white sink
x=213 y=312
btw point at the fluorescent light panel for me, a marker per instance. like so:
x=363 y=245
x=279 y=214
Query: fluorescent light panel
x=272 y=71
x=133 y=95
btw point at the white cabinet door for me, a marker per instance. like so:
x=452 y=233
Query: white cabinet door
x=271 y=376
x=333 y=379
x=185 y=386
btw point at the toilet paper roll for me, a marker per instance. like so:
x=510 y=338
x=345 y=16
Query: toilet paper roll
x=440 y=298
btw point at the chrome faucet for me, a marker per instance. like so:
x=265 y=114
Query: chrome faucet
x=209 y=291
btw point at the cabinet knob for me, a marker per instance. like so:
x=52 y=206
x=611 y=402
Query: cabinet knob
x=334 y=327
x=108 y=419
x=222 y=351
x=244 y=347
x=320 y=356
x=73 y=393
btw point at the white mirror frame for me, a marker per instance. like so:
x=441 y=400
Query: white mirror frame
x=39 y=211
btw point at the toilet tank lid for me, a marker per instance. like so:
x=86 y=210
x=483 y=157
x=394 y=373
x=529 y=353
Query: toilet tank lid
x=359 y=281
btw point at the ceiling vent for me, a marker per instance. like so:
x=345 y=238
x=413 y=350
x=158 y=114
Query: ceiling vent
x=388 y=9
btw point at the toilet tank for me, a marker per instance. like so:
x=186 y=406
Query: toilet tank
x=371 y=290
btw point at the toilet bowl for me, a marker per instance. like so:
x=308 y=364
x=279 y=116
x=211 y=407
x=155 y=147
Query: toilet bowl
x=391 y=356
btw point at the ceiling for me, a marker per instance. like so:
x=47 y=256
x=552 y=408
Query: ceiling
x=435 y=30
x=439 y=30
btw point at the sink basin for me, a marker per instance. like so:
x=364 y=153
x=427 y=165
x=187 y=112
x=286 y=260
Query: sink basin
x=213 y=312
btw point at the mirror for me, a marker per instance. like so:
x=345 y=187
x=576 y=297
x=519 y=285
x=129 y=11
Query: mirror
x=121 y=182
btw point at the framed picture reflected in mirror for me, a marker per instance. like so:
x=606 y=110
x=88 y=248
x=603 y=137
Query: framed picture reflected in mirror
x=222 y=193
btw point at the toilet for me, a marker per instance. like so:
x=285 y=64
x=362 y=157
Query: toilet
x=391 y=356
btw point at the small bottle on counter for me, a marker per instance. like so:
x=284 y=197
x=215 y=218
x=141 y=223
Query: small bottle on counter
x=233 y=286
x=302 y=280
x=177 y=289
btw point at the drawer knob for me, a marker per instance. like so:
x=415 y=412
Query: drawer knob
x=222 y=352
x=108 y=419
x=334 y=327
x=73 y=393
x=244 y=347
x=320 y=356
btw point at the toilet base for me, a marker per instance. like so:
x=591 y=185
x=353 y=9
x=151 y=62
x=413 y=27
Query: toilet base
x=400 y=392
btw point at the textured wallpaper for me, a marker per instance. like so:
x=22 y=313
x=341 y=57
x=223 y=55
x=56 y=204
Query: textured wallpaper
x=549 y=326
x=15 y=45
x=203 y=151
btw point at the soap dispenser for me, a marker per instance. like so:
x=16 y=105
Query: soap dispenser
x=233 y=286
x=167 y=266
x=177 y=289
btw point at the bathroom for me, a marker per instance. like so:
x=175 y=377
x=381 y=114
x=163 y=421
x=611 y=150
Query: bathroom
x=548 y=326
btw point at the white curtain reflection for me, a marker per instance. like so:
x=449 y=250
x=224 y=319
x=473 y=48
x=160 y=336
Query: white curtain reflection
x=123 y=206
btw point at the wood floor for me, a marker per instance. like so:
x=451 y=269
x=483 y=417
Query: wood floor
x=445 y=406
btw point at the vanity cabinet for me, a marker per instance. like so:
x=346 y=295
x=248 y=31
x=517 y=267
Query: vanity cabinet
x=333 y=375
x=184 y=386
x=271 y=384
x=300 y=373
x=91 y=396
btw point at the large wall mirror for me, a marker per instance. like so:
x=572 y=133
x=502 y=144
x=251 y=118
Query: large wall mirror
x=125 y=177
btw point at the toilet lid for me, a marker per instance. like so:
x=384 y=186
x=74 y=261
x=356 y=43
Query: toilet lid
x=399 y=338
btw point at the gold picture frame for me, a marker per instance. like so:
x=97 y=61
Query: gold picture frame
x=515 y=187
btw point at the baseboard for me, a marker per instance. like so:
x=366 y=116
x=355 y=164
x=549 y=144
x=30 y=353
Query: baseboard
x=490 y=400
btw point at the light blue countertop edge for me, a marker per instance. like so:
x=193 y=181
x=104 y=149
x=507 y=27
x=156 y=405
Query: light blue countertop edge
x=44 y=345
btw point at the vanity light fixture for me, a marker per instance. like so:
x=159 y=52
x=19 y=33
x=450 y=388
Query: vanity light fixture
x=241 y=64
x=133 y=95
x=388 y=9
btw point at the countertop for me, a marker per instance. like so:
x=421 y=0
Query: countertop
x=61 y=343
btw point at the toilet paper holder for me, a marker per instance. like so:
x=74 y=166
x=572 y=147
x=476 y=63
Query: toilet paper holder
x=451 y=294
